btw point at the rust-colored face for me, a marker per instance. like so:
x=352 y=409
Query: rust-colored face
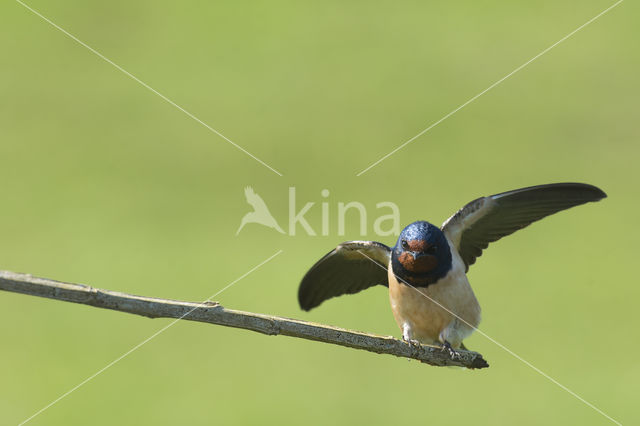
x=415 y=260
x=417 y=245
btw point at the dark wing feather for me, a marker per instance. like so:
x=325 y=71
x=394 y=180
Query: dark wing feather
x=349 y=268
x=488 y=219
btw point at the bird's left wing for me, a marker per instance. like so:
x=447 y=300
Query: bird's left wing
x=488 y=219
x=349 y=268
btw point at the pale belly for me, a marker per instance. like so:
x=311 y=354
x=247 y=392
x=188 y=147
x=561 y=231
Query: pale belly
x=447 y=310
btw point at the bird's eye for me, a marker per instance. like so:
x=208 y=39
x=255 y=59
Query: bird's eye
x=432 y=250
x=405 y=245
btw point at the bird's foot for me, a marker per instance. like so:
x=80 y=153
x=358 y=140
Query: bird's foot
x=412 y=342
x=452 y=352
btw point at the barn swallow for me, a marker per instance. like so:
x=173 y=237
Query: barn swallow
x=431 y=299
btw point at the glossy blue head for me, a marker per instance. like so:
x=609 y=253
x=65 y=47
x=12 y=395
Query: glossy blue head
x=422 y=255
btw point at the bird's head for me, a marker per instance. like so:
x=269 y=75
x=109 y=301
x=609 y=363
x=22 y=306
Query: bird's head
x=421 y=255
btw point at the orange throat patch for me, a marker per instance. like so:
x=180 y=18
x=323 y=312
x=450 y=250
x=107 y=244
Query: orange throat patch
x=421 y=264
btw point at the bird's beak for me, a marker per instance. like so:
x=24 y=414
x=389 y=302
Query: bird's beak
x=416 y=261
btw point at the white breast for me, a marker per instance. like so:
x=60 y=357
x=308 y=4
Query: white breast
x=447 y=310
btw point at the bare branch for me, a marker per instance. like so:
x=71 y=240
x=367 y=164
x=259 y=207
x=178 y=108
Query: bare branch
x=214 y=313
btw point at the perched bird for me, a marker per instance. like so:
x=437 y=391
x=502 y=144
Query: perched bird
x=430 y=296
x=260 y=213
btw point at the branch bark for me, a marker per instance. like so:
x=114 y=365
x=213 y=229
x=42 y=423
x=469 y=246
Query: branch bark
x=214 y=313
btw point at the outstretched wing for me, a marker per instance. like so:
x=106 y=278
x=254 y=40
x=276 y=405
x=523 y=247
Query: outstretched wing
x=255 y=200
x=488 y=219
x=349 y=268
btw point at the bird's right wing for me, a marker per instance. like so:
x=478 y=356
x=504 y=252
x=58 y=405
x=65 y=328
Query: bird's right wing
x=255 y=200
x=488 y=219
x=349 y=268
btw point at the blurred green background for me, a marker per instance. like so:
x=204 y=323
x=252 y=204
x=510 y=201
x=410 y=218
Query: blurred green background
x=106 y=184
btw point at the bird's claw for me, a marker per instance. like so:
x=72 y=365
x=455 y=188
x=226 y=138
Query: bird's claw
x=452 y=352
x=412 y=342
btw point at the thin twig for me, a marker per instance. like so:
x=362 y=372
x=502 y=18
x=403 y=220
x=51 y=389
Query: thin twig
x=214 y=313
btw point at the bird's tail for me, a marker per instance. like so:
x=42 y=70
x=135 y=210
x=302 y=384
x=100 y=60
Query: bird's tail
x=241 y=226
